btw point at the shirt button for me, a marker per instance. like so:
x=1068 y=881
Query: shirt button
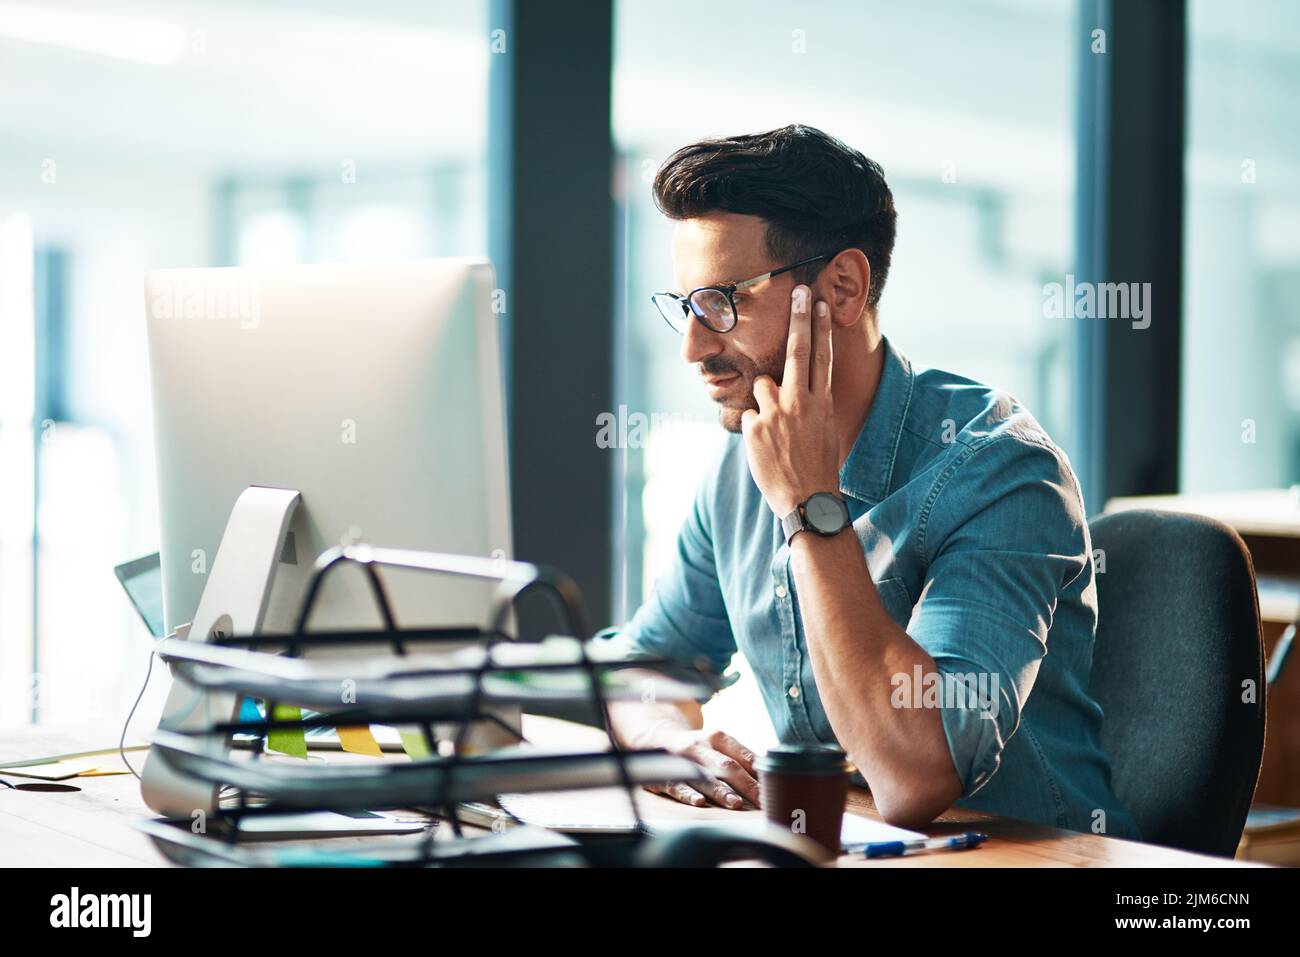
x=780 y=591
x=794 y=691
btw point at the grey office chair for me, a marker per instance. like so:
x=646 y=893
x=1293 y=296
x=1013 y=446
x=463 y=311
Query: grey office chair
x=1178 y=637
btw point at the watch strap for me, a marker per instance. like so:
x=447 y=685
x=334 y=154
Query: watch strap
x=792 y=523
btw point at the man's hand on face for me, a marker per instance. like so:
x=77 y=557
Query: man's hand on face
x=729 y=764
x=791 y=441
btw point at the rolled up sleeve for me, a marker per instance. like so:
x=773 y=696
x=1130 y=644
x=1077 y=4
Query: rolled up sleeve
x=1004 y=536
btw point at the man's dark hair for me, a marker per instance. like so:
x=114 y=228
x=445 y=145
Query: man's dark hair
x=817 y=195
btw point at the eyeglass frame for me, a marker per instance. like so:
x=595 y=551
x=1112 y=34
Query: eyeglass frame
x=727 y=290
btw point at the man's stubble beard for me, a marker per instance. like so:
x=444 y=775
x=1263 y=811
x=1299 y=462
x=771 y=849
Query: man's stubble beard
x=729 y=418
x=773 y=366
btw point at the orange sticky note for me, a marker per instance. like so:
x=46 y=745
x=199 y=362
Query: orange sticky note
x=359 y=740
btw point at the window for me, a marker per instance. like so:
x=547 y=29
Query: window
x=184 y=133
x=1241 y=267
x=970 y=109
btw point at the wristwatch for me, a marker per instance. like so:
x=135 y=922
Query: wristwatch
x=823 y=513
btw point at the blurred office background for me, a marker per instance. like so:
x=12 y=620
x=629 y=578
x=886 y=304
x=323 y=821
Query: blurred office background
x=142 y=135
x=146 y=134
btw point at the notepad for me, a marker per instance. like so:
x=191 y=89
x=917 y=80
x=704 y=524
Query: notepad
x=62 y=770
x=857 y=830
x=31 y=761
x=331 y=823
x=606 y=810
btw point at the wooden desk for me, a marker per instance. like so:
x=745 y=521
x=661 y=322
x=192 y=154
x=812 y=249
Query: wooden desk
x=92 y=827
x=1267 y=520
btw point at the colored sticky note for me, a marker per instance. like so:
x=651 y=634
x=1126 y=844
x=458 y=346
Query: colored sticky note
x=359 y=740
x=413 y=743
x=291 y=741
x=249 y=712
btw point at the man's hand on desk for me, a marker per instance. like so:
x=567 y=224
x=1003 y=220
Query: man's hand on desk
x=729 y=764
x=678 y=727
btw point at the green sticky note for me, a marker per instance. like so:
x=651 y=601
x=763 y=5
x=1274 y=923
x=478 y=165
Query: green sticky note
x=413 y=743
x=291 y=741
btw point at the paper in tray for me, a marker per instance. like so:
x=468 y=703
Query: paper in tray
x=518 y=673
x=518 y=845
x=387 y=785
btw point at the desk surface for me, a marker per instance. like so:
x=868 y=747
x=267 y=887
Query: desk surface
x=1258 y=512
x=92 y=827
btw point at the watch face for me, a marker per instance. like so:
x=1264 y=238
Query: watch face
x=825 y=513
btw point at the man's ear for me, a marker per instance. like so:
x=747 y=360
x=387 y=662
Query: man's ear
x=847 y=284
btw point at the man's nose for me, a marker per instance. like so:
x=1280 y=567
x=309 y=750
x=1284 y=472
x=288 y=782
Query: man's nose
x=699 y=343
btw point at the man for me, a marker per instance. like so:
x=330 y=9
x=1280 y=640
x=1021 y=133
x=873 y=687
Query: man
x=900 y=554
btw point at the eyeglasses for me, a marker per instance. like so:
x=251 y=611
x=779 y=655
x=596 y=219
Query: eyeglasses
x=713 y=306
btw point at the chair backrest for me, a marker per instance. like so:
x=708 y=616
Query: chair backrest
x=1178 y=669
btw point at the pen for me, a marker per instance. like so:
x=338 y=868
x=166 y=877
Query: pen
x=899 y=848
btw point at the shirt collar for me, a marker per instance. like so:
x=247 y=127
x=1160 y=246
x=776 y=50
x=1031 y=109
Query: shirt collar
x=868 y=471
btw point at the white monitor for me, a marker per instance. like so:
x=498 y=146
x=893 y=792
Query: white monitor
x=375 y=392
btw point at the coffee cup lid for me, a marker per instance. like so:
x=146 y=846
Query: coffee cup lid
x=803 y=759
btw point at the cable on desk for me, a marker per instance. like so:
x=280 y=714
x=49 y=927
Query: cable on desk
x=121 y=742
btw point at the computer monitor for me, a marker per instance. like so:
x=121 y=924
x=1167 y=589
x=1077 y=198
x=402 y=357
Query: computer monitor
x=374 y=391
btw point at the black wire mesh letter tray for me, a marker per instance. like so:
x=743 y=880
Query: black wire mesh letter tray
x=457 y=683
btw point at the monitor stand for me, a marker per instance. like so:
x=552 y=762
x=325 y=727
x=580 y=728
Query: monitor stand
x=244 y=596
x=234 y=601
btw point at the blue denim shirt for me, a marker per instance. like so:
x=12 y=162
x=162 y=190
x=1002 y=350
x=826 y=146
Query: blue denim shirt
x=973 y=528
